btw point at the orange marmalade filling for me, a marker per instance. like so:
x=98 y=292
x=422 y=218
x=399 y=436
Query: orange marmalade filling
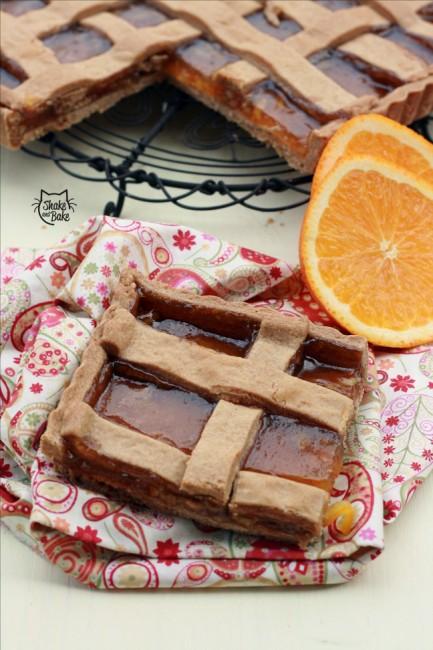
x=132 y=397
x=329 y=365
x=230 y=335
x=341 y=514
x=11 y=73
x=423 y=49
x=266 y=106
x=226 y=344
x=20 y=7
x=296 y=450
x=350 y=73
x=77 y=43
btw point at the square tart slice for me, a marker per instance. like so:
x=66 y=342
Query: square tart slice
x=289 y=72
x=231 y=415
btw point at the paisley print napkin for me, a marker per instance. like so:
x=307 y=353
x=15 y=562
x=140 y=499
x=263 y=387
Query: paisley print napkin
x=51 y=299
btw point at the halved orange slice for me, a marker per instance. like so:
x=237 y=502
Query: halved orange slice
x=366 y=251
x=378 y=136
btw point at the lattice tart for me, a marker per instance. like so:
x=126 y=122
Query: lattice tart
x=230 y=415
x=288 y=71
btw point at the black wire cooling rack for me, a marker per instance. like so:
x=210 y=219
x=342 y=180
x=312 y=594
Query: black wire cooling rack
x=164 y=143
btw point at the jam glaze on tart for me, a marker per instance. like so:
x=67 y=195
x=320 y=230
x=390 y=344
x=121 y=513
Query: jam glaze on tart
x=144 y=402
x=288 y=72
x=228 y=414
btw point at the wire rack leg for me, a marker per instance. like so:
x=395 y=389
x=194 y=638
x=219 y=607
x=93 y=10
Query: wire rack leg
x=169 y=109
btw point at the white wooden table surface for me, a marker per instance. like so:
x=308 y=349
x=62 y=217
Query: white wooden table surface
x=389 y=606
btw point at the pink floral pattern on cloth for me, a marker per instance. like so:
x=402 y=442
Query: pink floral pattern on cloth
x=51 y=300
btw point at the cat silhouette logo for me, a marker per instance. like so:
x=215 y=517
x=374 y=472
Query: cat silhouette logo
x=54 y=206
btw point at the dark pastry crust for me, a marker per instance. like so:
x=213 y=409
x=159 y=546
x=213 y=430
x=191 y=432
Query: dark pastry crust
x=209 y=484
